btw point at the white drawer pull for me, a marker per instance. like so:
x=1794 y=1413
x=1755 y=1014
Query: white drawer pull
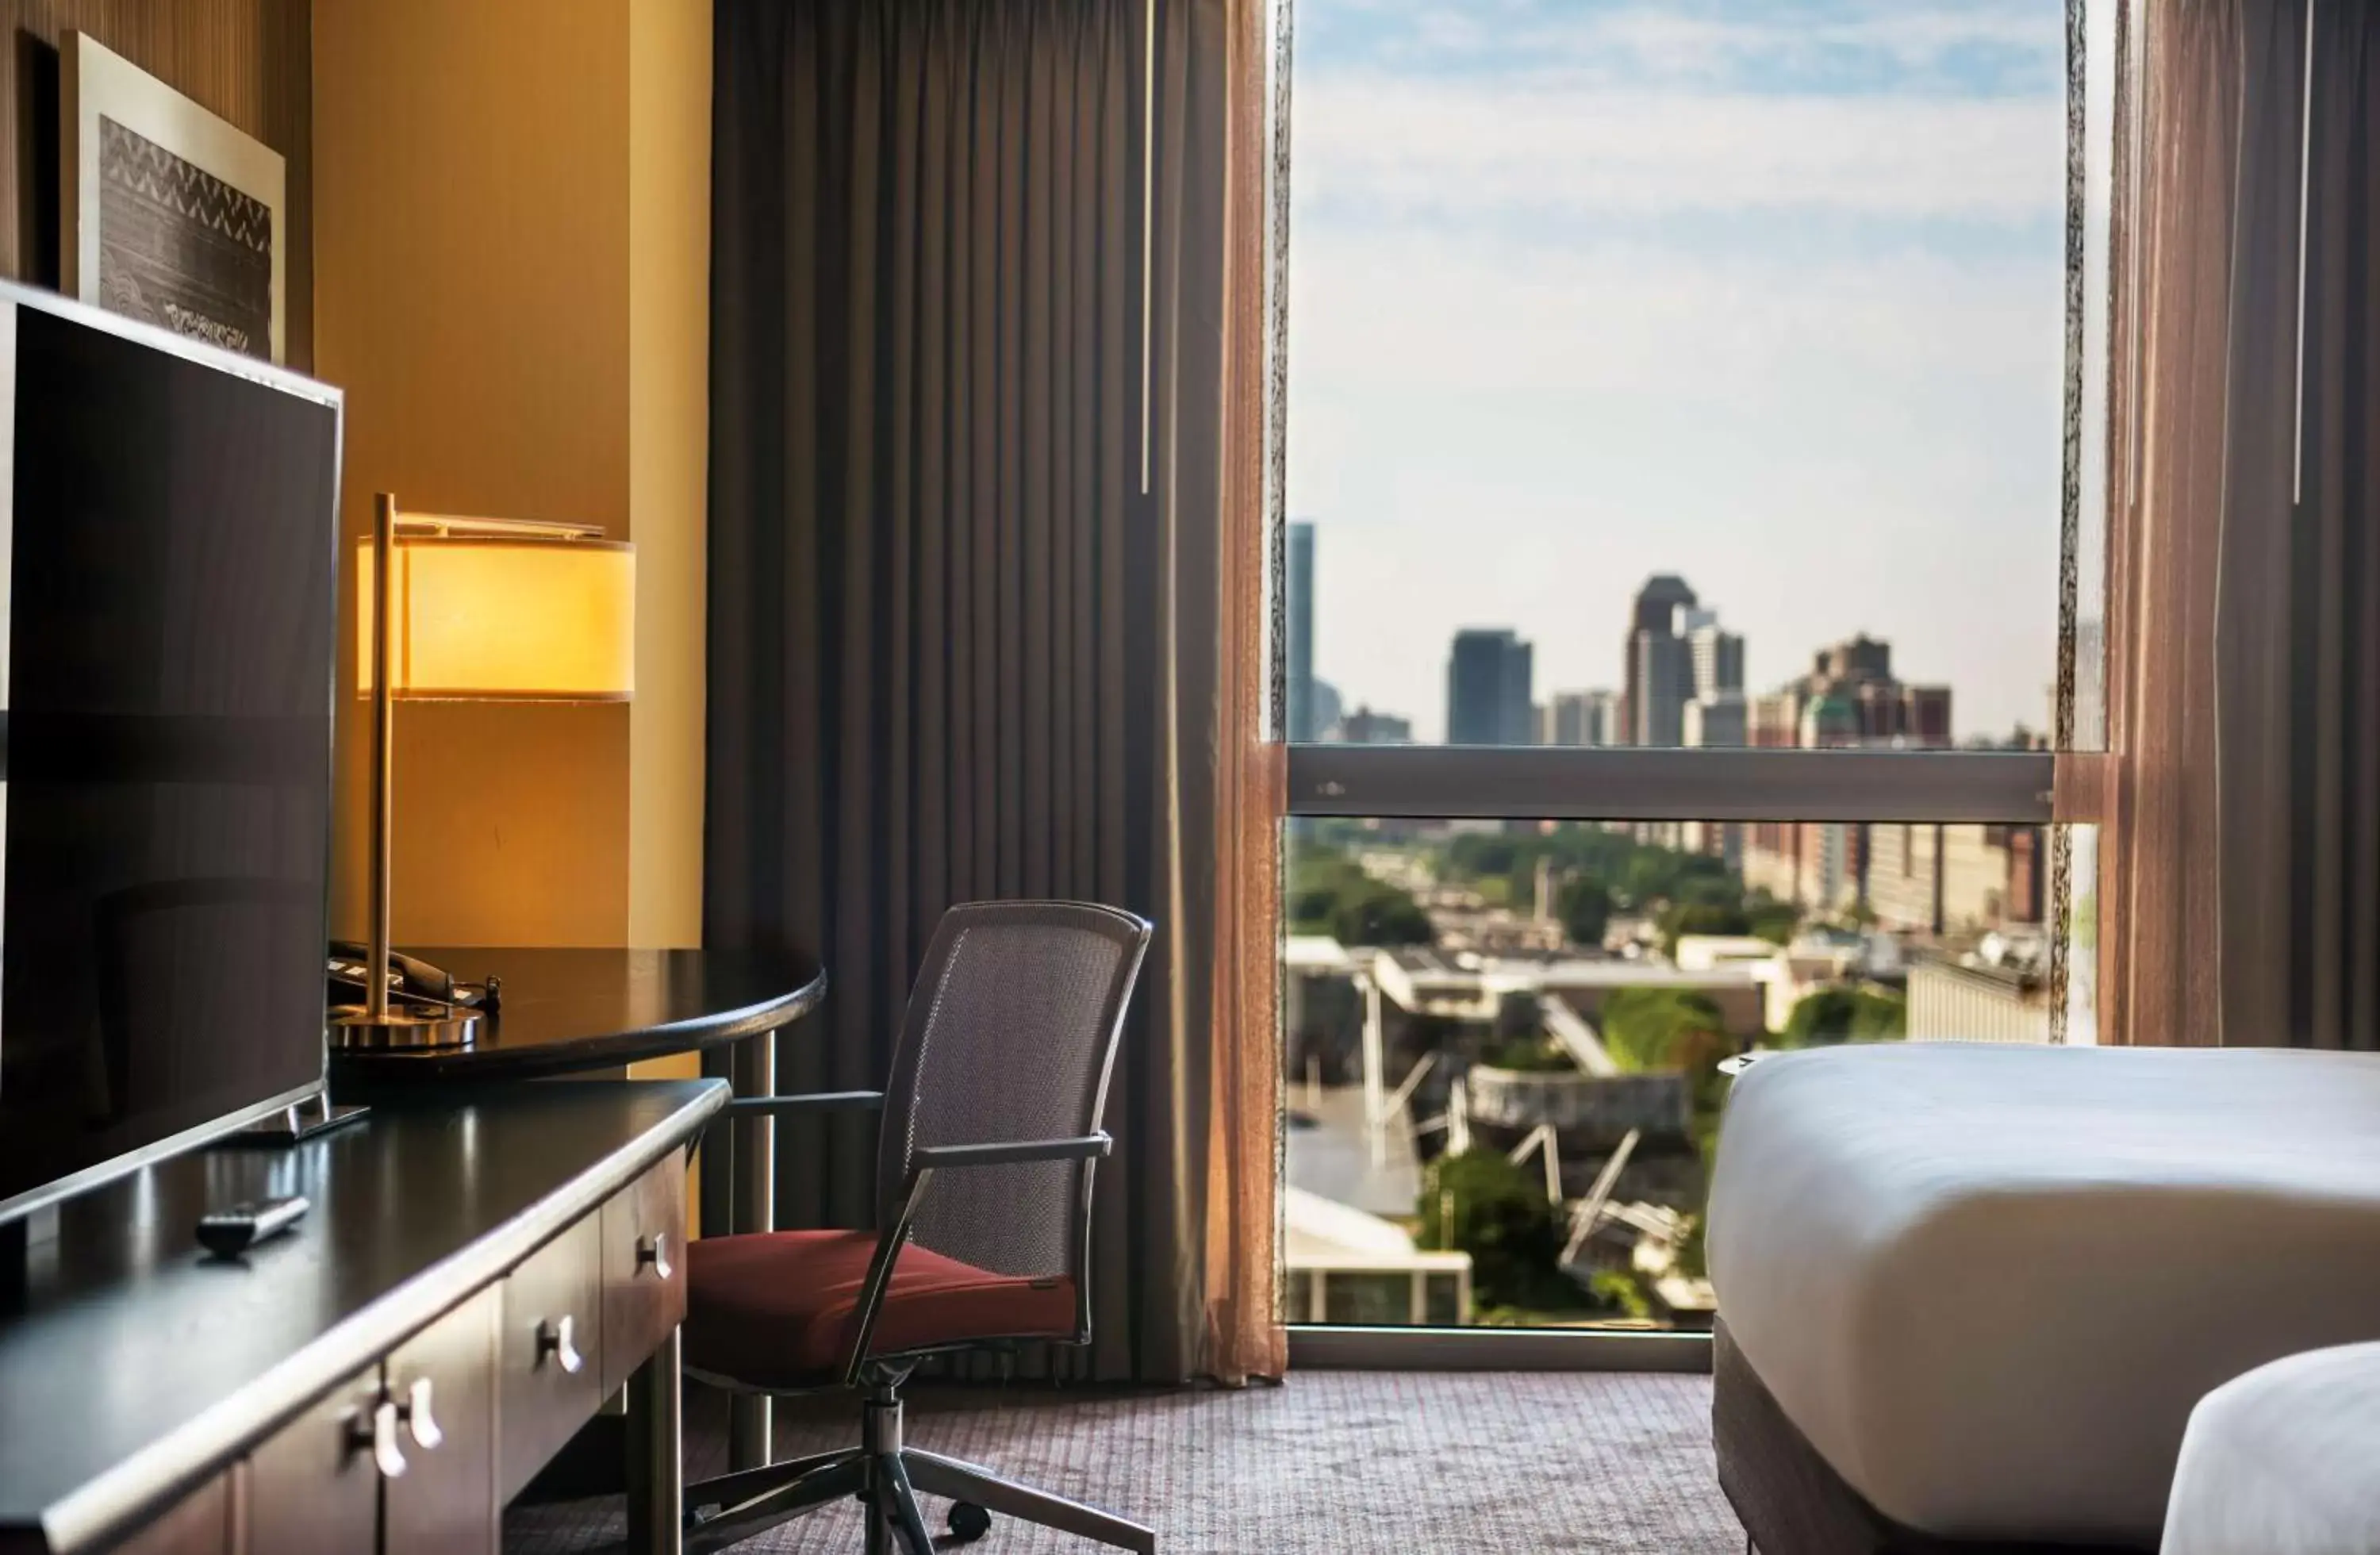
x=416 y=1415
x=554 y=1339
x=376 y=1433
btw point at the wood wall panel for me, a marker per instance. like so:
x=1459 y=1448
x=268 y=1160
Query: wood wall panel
x=472 y=299
x=247 y=61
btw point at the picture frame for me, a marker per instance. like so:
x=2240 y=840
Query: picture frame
x=166 y=213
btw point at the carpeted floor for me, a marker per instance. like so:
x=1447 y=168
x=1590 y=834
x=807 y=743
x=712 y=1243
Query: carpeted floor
x=1335 y=1461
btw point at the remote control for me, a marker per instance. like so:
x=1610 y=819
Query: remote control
x=229 y=1232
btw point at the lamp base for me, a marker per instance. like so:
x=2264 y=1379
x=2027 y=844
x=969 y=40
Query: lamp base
x=405 y=1025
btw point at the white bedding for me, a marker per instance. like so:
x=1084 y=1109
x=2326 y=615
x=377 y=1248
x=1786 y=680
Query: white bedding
x=2279 y=1461
x=1988 y=1283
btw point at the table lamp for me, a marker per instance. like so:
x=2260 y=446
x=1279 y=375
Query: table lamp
x=472 y=610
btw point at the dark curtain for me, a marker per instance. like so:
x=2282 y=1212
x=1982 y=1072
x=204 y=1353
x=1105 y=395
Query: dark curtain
x=2243 y=896
x=970 y=583
x=2317 y=753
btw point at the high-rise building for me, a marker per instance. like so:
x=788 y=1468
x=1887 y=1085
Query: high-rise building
x=1849 y=699
x=1297 y=592
x=1364 y=726
x=1716 y=721
x=1324 y=709
x=1664 y=685
x=1656 y=610
x=1581 y=718
x=1717 y=653
x=1488 y=699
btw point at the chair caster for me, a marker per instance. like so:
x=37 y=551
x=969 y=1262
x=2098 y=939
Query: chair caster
x=969 y=1522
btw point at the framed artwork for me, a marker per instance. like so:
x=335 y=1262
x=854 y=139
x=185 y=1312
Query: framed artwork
x=165 y=212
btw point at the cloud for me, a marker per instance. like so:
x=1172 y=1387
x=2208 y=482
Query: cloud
x=1970 y=48
x=1374 y=147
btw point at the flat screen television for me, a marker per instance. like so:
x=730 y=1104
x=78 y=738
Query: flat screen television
x=169 y=514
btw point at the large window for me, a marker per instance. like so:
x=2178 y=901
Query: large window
x=1703 y=398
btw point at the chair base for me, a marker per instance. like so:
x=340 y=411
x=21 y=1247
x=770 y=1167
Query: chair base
x=885 y=1474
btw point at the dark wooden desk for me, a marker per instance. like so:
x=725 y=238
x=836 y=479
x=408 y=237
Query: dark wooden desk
x=570 y=1011
x=195 y=1406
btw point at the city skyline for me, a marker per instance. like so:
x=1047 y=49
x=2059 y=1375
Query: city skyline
x=1765 y=294
x=1683 y=684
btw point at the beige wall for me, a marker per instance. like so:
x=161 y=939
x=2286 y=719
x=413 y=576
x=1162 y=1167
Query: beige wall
x=669 y=398
x=488 y=296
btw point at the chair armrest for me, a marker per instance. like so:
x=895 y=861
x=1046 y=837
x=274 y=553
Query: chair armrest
x=794 y=1106
x=944 y=1158
x=923 y=1163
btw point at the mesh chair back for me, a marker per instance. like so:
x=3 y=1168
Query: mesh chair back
x=1011 y=1032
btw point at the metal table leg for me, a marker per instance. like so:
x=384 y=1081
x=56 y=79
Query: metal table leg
x=754 y=1173
x=656 y=1454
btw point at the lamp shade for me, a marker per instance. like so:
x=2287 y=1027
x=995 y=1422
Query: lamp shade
x=505 y=618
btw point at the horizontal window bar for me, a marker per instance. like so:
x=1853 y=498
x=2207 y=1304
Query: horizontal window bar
x=1417 y=1349
x=1569 y=783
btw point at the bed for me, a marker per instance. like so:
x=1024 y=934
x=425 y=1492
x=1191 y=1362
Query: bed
x=1969 y=1294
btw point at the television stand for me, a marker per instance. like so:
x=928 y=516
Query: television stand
x=294 y=1126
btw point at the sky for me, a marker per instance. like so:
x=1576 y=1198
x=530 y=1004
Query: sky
x=1764 y=293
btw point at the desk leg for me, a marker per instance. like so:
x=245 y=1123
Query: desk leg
x=656 y=1454
x=749 y=1423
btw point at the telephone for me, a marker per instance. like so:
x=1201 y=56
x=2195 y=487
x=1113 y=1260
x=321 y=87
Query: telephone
x=409 y=977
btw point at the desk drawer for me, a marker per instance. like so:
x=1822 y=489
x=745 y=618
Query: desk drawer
x=312 y=1487
x=445 y=1501
x=200 y=1524
x=644 y=1267
x=552 y=1351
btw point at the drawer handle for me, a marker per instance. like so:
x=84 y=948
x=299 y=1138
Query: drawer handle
x=554 y=1339
x=415 y=1412
x=377 y=1435
x=654 y=1250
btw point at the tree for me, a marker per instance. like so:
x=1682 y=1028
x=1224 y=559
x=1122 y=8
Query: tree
x=1652 y=1029
x=1330 y=894
x=1381 y=915
x=1846 y=1014
x=1481 y=1204
x=1772 y=921
x=1584 y=906
x=1700 y=918
x=1535 y=1054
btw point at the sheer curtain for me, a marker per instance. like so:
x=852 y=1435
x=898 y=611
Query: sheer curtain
x=2242 y=888
x=985 y=618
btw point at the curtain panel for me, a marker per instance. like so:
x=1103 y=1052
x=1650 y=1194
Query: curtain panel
x=985 y=593
x=2240 y=880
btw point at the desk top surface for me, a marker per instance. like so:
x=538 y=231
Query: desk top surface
x=567 y=1011
x=132 y=1365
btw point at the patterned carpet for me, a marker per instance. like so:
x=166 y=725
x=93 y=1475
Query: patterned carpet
x=1334 y=1461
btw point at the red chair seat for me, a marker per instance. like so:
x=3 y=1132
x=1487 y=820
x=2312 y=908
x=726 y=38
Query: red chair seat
x=775 y=1308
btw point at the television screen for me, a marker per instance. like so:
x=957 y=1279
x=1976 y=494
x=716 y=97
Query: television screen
x=166 y=547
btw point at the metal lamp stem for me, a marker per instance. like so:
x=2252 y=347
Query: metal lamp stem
x=410 y=1021
x=383 y=754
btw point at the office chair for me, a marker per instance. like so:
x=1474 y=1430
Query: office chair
x=988 y=1140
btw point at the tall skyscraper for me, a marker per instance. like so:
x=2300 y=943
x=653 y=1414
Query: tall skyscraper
x=1717 y=653
x=1488 y=694
x=1297 y=590
x=1664 y=685
x=1582 y=718
x=1656 y=610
